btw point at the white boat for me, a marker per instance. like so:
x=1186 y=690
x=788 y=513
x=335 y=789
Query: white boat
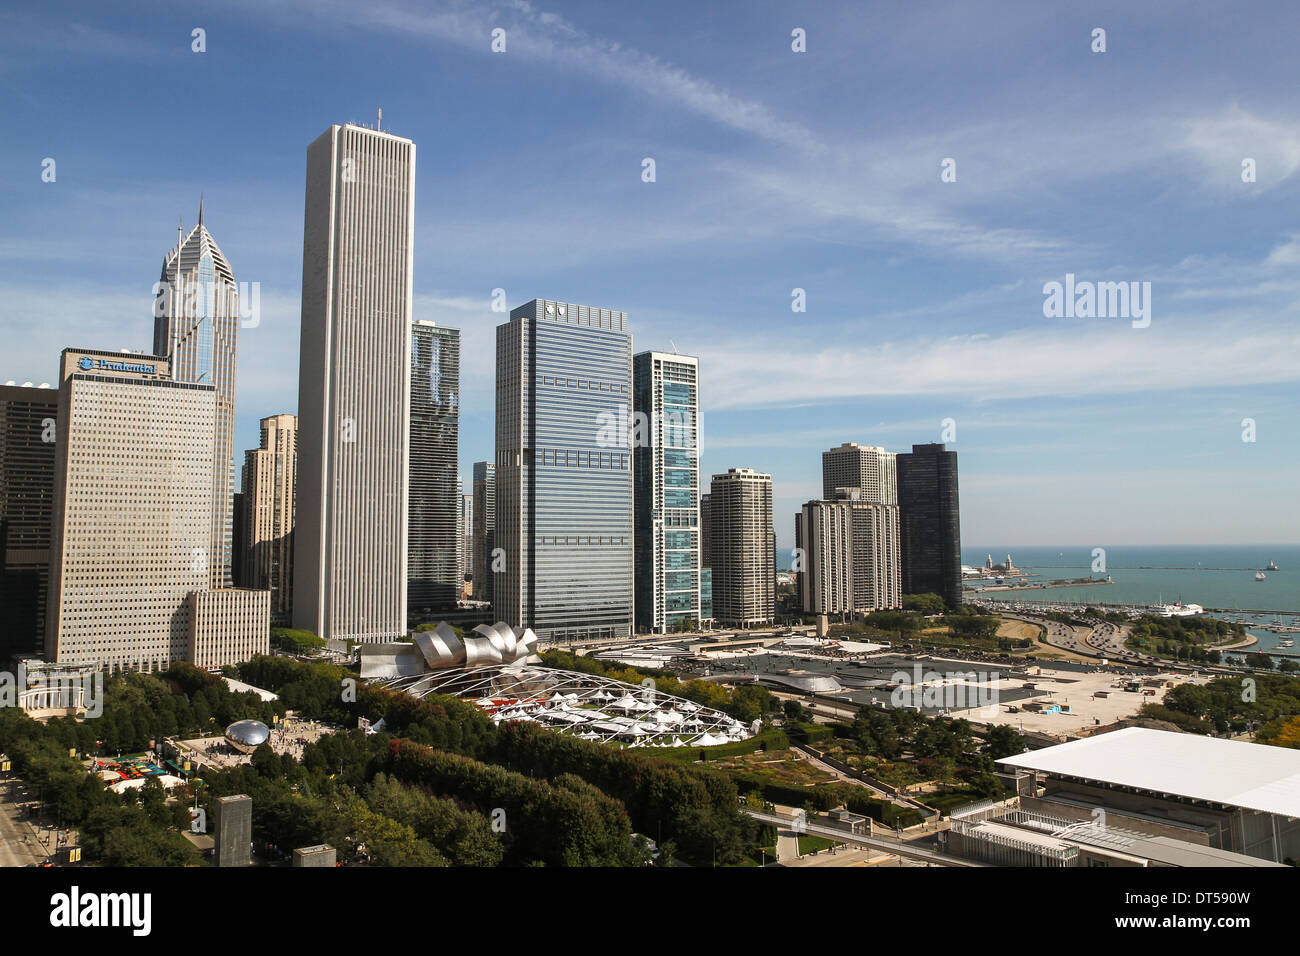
x=1259 y=575
x=1287 y=643
x=1272 y=566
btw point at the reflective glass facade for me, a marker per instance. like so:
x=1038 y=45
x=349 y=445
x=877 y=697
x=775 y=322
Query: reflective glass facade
x=433 y=555
x=667 y=491
x=564 y=471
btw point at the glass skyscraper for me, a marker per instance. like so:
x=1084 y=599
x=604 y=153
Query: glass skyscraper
x=667 y=477
x=930 y=522
x=196 y=326
x=485 y=517
x=434 y=571
x=564 y=471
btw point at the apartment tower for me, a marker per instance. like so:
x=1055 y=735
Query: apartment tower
x=434 y=570
x=744 y=577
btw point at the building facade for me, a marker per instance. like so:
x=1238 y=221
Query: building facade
x=485 y=516
x=132 y=511
x=434 y=569
x=869 y=468
x=744 y=576
x=28 y=426
x=268 y=508
x=564 y=472
x=228 y=626
x=851 y=562
x=666 y=460
x=930 y=522
x=196 y=326
x=466 y=537
x=353 y=386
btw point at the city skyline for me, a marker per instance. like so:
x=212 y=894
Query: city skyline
x=939 y=293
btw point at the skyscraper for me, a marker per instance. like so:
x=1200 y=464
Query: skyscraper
x=744 y=579
x=466 y=533
x=667 y=479
x=869 y=468
x=485 y=515
x=851 y=560
x=564 y=471
x=929 y=522
x=270 y=483
x=28 y=422
x=353 y=386
x=132 y=511
x=196 y=327
x=434 y=570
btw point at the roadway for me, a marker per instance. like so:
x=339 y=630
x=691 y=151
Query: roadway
x=19 y=840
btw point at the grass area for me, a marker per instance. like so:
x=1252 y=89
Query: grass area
x=776 y=766
x=809 y=843
x=947 y=801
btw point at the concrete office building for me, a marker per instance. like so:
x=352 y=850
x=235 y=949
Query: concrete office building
x=485 y=513
x=564 y=471
x=744 y=575
x=228 y=626
x=667 y=479
x=267 y=509
x=850 y=556
x=132 y=511
x=869 y=468
x=930 y=522
x=196 y=326
x=233 y=842
x=434 y=571
x=28 y=425
x=353 y=386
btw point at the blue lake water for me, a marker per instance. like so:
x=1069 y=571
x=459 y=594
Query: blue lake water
x=1152 y=575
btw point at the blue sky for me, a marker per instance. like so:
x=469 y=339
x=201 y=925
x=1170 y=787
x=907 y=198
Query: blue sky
x=775 y=170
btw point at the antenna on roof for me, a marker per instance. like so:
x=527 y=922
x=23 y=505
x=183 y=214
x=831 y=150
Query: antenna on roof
x=674 y=345
x=200 y=208
x=379 y=121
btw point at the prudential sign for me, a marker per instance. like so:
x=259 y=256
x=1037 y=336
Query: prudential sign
x=104 y=365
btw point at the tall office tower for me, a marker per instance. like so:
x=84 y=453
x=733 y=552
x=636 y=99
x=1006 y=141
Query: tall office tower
x=239 y=537
x=930 y=522
x=485 y=516
x=868 y=468
x=196 y=326
x=851 y=559
x=706 y=532
x=354 y=376
x=434 y=572
x=466 y=534
x=744 y=579
x=28 y=421
x=270 y=484
x=666 y=470
x=132 y=510
x=564 y=471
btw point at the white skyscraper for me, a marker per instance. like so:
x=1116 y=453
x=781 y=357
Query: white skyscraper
x=350 y=575
x=869 y=468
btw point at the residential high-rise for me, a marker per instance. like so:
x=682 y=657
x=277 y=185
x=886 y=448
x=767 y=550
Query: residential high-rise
x=740 y=518
x=354 y=376
x=851 y=560
x=270 y=483
x=564 y=471
x=466 y=533
x=667 y=478
x=132 y=511
x=434 y=571
x=869 y=468
x=706 y=532
x=28 y=422
x=196 y=327
x=485 y=514
x=930 y=523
